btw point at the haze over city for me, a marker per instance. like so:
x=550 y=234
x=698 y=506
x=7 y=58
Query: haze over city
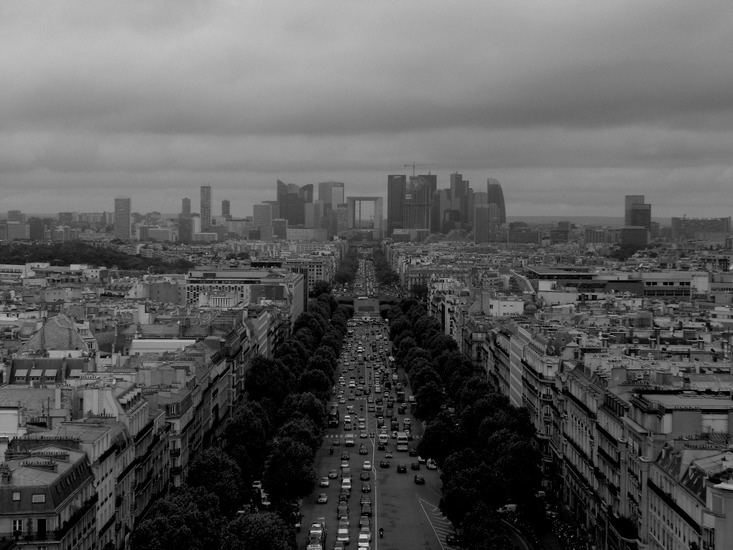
x=570 y=105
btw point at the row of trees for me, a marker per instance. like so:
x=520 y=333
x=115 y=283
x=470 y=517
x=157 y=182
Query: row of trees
x=348 y=268
x=484 y=445
x=274 y=436
x=386 y=276
x=77 y=252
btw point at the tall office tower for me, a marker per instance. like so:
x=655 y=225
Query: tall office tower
x=205 y=208
x=459 y=195
x=280 y=229
x=123 y=217
x=486 y=226
x=291 y=200
x=66 y=218
x=418 y=201
x=185 y=228
x=496 y=196
x=37 y=229
x=226 y=208
x=395 y=199
x=16 y=216
x=332 y=194
x=629 y=202
x=313 y=214
x=186 y=206
x=641 y=216
x=262 y=215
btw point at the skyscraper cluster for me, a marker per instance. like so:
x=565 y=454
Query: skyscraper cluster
x=416 y=207
x=298 y=213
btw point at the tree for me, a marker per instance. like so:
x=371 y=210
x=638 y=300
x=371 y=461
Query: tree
x=467 y=483
x=429 y=399
x=441 y=438
x=218 y=473
x=302 y=430
x=306 y=405
x=315 y=382
x=267 y=378
x=289 y=473
x=245 y=436
x=320 y=287
x=262 y=531
x=189 y=519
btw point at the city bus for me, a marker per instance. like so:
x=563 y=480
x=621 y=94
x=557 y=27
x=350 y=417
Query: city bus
x=402 y=442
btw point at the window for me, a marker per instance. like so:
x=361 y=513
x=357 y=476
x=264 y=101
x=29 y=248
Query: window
x=16 y=496
x=17 y=525
x=38 y=498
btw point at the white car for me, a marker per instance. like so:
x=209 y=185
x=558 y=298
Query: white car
x=367 y=465
x=325 y=482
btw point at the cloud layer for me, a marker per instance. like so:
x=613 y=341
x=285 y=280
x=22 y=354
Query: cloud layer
x=570 y=104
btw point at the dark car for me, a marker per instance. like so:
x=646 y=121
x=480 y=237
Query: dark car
x=453 y=539
x=419 y=480
x=384 y=464
x=415 y=466
x=381 y=447
x=366 y=510
x=412 y=451
x=367 y=488
x=401 y=469
x=345 y=455
x=363 y=450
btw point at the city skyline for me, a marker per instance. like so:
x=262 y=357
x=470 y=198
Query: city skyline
x=568 y=108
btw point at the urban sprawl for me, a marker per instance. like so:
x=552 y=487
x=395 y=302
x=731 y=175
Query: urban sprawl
x=615 y=340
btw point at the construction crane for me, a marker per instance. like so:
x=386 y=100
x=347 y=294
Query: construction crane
x=415 y=165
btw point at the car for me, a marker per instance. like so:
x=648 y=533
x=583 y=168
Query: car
x=342 y=510
x=366 y=488
x=322 y=498
x=344 y=464
x=415 y=466
x=421 y=460
x=388 y=454
x=363 y=435
x=384 y=464
x=401 y=469
x=333 y=474
x=381 y=446
x=366 y=465
x=344 y=496
x=325 y=482
x=366 y=510
x=363 y=450
x=412 y=451
x=336 y=441
x=363 y=521
x=342 y=400
x=430 y=464
x=365 y=499
x=345 y=456
x=364 y=476
x=419 y=480
x=453 y=539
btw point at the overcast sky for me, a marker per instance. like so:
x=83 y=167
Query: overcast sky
x=569 y=104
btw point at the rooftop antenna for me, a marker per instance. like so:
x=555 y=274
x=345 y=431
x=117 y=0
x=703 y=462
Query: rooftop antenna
x=415 y=165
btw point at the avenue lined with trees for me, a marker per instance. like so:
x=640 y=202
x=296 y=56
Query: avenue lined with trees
x=483 y=445
x=274 y=434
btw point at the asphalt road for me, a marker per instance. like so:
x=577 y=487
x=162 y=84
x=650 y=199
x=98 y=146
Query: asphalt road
x=408 y=513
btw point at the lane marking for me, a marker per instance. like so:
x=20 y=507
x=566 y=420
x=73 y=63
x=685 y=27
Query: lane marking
x=437 y=537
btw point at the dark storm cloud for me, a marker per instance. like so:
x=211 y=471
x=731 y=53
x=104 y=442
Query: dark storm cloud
x=589 y=99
